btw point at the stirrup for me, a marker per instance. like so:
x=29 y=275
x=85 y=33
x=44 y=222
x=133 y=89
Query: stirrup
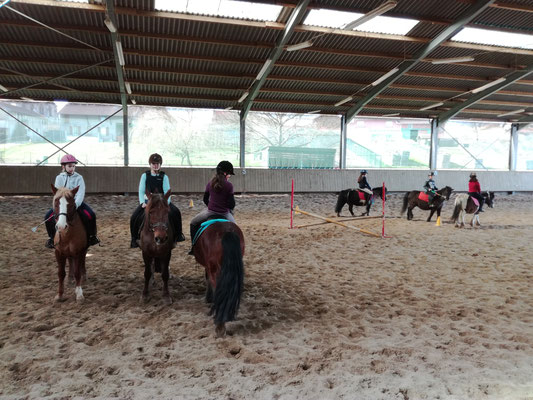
x=49 y=243
x=134 y=244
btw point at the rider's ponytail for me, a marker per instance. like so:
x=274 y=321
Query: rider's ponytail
x=218 y=180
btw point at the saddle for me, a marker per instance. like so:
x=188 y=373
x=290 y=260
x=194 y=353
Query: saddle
x=362 y=196
x=424 y=197
x=476 y=201
x=203 y=227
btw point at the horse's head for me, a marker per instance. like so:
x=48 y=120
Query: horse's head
x=489 y=198
x=446 y=192
x=156 y=212
x=64 y=205
x=378 y=191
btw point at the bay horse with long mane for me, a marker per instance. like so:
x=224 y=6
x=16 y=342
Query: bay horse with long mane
x=412 y=199
x=70 y=240
x=465 y=204
x=356 y=197
x=156 y=242
x=220 y=248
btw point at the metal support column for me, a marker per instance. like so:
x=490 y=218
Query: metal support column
x=110 y=11
x=342 y=155
x=433 y=146
x=513 y=149
x=242 y=141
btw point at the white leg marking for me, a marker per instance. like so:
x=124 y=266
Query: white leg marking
x=79 y=293
x=62 y=221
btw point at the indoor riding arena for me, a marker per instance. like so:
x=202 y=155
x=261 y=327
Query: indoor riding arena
x=304 y=99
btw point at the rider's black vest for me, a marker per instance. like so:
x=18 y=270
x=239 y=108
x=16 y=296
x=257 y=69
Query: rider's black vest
x=154 y=184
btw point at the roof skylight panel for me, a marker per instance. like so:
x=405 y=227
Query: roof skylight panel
x=339 y=19
x=494 y=38
x=222 y=8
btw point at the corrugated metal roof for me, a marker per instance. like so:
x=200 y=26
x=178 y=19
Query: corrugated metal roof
x=208 y=62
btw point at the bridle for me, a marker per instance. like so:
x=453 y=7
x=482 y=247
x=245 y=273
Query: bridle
x=162 y=225
x=153 y=227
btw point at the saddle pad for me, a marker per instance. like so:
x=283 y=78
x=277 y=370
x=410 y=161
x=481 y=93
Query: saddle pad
x=423 y=196
x=203 y=227
x=476 y=201
x=361 y=195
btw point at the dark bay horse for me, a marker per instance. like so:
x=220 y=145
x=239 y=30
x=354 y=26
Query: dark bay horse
x=220 y=249
x=352 y=197
x=411 y=200
x=157 y=241
x=70 y=240
x=465 y=204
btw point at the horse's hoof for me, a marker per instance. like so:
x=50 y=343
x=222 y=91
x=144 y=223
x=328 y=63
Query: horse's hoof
x=80 y=299
x=167 y=300
x=220 y=330
x=145 y=299
x=59 y=298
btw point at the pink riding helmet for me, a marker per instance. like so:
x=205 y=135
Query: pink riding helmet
x=68 y=158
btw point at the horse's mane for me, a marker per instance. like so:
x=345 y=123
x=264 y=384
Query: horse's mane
x=63 y=192
x=157 y=200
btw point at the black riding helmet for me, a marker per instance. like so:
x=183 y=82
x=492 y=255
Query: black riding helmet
x=155 y=159
x=226 y=167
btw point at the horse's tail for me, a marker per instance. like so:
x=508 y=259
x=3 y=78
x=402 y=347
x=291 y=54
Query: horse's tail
x=230 y=280
x=405 y=201
x=457 y=209
x=341 y=200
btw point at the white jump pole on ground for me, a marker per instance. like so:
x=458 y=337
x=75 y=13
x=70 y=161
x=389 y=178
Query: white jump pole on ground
x=297 y=210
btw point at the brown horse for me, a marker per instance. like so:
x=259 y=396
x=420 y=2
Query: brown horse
x=156 y=243
x=412 y=200
x=219 y=248
x=70 y=240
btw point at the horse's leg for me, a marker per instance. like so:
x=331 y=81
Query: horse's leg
x=368 y=208
x=147 y=275
x=208 y=290
x=61 y=261
x=220 y=330
x=463 y=216
x=431 y=214
x=165 y=273
x=409 y=213
x=350 y=207
x=77 y=270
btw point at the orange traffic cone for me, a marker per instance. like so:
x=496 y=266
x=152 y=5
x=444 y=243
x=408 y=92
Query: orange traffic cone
x=438 y=222
x=191 y=204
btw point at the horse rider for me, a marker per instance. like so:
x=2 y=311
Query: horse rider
x=474 y=190
x=69 y=179
x=218 y=197
x=154 y=181
x=363 y=183
x=431 y=188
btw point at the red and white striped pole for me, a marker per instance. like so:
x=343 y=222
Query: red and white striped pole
x=292 y=198
x=383 y=214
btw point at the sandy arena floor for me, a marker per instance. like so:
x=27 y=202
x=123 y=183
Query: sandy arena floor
x=435 y=312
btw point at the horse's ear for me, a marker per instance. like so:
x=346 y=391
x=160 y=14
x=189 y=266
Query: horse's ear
x=75 y=190
x=54 y=189
x=167 y=194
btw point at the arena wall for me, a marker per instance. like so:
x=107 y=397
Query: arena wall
x=37 y=180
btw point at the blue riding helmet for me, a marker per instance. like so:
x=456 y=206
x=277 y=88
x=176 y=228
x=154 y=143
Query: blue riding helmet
x=363 y=171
